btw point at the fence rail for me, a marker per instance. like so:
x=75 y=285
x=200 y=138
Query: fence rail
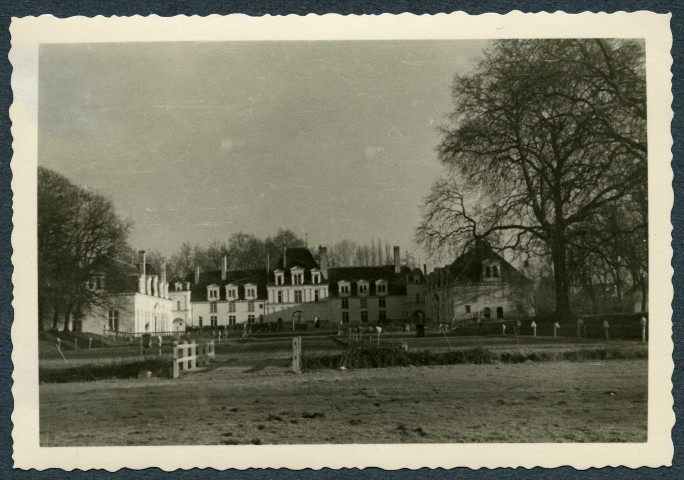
x=190 y=356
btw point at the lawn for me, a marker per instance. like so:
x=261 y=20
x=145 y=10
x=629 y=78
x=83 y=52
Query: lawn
x=249 y=396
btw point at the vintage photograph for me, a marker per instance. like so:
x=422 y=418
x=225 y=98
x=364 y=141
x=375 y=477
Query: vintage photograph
x=310 y=242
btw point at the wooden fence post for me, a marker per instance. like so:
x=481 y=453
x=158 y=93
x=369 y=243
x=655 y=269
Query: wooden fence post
x=297 y=354
x=643 y=328
x=534 y=329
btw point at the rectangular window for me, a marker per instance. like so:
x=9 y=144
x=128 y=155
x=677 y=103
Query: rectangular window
x=467 y=308
x=298 y=296
x=250 y=318
x=382 y=316
x=316 y=295
x=212 y=307
x=231 y=319
x=280 y=296
x=345 y=317
x=382 y=302
x=231 y=307
x=178 y=305
x=200 y=321
x=345 y=303
x=261 y=319
x=250 y=307
x=364 y=316
x=214 y=321
x=231 y=293
x=364 y=302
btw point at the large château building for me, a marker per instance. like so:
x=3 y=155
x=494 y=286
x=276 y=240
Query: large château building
x=301 y=290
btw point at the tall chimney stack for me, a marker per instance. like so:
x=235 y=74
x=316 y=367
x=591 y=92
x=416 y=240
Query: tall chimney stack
x=397 y=260
x=142 y=261
x=323 y=257
x=197 y=272
x=224 y=267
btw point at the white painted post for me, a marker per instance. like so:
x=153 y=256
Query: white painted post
x=606 y=326
x=297 y=354
x=90 y=343
x=556 y=326
x=503 y=329
x=534 y=329
x=643 y=328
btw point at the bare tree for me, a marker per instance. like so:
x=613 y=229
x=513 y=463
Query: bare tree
x=544 y=134
x=342 y=253
x=79 y=236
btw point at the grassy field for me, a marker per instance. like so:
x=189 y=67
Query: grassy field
x=249 y=396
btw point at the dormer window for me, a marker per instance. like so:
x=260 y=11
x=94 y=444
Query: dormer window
x=213 y=292
x=492 y=270
x=231 y=292
x=179 y=286
x=297 y=275
x=279 y=277
x=381 y=287
x=344 y=288
x=315 y=276
x=362 y=287
x=250 y=291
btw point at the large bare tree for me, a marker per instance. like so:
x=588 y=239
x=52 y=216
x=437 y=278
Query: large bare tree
x=79 y=239
x=545 y=134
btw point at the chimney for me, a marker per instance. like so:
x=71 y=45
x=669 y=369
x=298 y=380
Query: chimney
x=197 y=272
x=224 y=267
x=163 y=272
x=323 y=254
x=397 y=260
x=285 y=258
x=425 y=269
x=142 y=260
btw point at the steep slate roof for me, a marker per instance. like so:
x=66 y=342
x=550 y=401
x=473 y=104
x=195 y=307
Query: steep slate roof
x=468 y=267
x=236 y=277
x=396 y=282
x=295 y=257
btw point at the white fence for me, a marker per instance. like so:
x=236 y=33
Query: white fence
x=189 y=356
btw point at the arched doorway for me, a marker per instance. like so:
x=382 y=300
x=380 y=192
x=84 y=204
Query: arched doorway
x=418 y=317
x=297 y=319
x=178 y=325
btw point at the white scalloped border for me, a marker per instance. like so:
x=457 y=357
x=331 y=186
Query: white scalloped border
x=27 y=33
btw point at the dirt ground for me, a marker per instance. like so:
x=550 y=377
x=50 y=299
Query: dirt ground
x=234 y=403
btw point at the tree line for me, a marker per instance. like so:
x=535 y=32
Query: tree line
x=546 y=157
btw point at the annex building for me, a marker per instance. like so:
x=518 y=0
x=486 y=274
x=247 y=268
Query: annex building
x=479 y=285
x=134 y=302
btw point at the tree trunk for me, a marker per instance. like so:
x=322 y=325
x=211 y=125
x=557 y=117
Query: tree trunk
x=67 y=318
x=560 y=277
x=644 y=293
x=55 y=318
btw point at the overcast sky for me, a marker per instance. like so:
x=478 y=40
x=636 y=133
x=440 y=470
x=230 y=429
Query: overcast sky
x=196 y=141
